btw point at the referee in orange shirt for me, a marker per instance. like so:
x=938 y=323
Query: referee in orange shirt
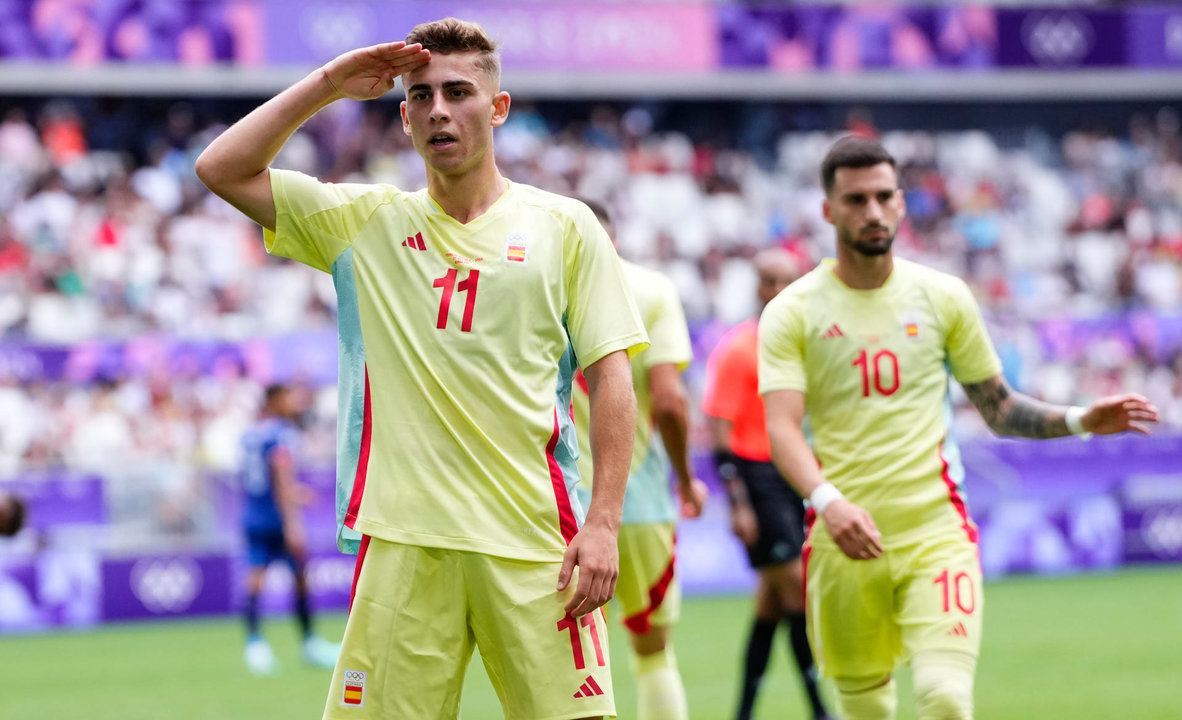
x=766 y=514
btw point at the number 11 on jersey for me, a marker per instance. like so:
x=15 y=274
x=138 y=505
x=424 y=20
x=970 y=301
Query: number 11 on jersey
x=449 y=285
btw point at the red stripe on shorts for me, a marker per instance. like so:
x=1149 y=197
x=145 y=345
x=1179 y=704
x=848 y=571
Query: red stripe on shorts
x=810 y=520
x=957 y=498
x=642 y=621
x=566 y=514
x=362 y=457
x=357 y=569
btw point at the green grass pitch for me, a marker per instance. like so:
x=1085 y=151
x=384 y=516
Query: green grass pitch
x=1091 y=647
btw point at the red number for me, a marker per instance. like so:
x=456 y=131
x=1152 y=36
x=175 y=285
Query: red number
x=576 y=643
x=866 y=363
x=468 y=286
x=953 y=592
x=589 y=621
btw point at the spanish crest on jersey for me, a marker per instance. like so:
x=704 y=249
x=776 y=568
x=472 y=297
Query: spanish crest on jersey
x=516 y=248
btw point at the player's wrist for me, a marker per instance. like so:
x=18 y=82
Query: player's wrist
x=823 y=496
x=1074 y=419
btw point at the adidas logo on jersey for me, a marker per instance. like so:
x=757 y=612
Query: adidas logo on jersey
x=589 y=688
x=833 y=332
x=415 y=242
x=958 y=630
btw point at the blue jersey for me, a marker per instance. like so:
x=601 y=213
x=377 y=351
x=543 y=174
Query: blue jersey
x=259 y=444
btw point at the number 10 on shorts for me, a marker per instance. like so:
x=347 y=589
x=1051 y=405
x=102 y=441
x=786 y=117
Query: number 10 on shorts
x=571 y=625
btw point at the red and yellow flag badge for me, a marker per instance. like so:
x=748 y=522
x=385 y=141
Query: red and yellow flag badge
x=516 y=249
x=911 y=324
x=353 y=688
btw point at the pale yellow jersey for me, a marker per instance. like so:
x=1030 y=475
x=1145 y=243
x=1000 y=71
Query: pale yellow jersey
x=648 y=498
x=874 y=368
x=458 y=345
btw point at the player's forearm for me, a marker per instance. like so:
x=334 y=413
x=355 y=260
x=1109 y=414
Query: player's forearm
x=673 y=424
x=794 y=458
x=613 y=427
x=247 y=147
x=1008 y=412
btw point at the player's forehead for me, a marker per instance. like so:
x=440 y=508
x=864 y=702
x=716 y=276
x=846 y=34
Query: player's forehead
x=448 y=68
x=865 y=180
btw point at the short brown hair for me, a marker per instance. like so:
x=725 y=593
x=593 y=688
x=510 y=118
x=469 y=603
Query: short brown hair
x=853 y=152
x=452 y=35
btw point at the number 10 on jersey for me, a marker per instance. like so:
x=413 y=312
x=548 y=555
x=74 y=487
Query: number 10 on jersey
x=450 y=286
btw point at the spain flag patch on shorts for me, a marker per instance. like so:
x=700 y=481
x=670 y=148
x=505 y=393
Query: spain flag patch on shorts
x=353 y=688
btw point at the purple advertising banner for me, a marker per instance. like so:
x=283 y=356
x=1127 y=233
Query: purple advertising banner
x=596 y=36
x=58 y=499
x=533 y=35
x=309 y=357
x=156 y=586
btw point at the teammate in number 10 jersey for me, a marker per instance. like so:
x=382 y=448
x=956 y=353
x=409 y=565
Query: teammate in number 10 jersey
x=456 y=452
x=866 y=344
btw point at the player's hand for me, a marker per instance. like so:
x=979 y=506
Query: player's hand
x=744 y=524
x=1118 y=413
x=853 y=530
x=593 y=550
x=368 y=73
x=693 y=498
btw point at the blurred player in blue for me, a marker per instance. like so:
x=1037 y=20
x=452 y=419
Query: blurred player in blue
x=273 y=525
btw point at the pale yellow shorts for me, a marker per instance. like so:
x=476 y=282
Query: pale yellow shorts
x=417 y=614
x=866 y=616
x=647 y=589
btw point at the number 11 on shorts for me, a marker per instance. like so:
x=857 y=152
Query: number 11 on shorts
x=571 y=625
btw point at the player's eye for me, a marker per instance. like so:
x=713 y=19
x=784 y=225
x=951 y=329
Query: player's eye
x=458 y=93
x=885 y=197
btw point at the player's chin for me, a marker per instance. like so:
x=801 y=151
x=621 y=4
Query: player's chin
x=874 y=247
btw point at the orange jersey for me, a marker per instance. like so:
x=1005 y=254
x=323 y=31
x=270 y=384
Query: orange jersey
x=732 y=391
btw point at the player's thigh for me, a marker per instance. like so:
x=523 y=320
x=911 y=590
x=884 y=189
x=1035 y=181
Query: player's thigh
x=407 y=642
x=778 y=514
x=850 y=613
x=542 y=663
x=942 y=602
x=647 y=588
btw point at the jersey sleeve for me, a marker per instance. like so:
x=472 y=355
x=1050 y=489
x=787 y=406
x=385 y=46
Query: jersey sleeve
x=781 y=346
x=971 y=356
x=315 y=222
x=667 y=328
x=601 y=315
x=727 y=370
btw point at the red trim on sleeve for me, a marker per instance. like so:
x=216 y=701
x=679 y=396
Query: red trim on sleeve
x=566 y=514
x=362 y=458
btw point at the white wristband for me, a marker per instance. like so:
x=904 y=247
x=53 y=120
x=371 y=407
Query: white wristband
x=1074 y=419
x=823 y=495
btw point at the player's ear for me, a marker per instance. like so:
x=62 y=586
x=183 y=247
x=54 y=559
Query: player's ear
x=826 y=212
x=405 y=119
x=902 y=198
x=500 y=104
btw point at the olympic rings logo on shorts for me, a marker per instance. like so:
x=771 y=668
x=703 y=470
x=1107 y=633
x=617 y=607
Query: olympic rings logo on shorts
x=354 y=675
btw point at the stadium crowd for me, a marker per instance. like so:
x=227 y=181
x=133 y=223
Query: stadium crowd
x=106 y=233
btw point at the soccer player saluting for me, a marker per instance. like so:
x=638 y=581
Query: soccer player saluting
x=456 y=452
x=766 y=515
x=273 y=525
x=866 y=345
x=648 y=588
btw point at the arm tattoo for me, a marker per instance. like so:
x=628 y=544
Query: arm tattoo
x=1011 y=413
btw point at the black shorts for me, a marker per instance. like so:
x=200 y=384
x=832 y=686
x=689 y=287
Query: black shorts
x=779 y=512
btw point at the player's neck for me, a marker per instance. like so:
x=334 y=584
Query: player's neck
x=863 y=272
x=468 y=195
